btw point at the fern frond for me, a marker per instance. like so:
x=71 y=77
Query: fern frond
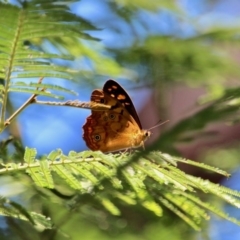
x=10 y=208
x=125 y=198
x=179 y=213
x=109 y=205
x=153 y=206
x=210 y=207
x=30 y=155
x=217 y=190
x=107 y=173
x=43 y=86
x=32 y=91
x=67 y=176
x=84 y=172
x=20 y=27
x=147 y=181
x=36 y=74
x=44 y=168
x=203 y=166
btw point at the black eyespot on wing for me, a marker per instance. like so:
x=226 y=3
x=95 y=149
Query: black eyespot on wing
x=96 y=137
x=111 y=116
x=116 y=91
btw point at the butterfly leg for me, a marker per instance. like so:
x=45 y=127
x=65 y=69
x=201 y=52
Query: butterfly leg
x=126 y=150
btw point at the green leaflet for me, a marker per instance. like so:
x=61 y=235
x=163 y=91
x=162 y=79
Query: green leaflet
x=67 y=176
x=30 y=155
x=22 y=29
x=13 y=209
x=145 y=182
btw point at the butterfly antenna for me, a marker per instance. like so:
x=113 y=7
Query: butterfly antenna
x=157 y=125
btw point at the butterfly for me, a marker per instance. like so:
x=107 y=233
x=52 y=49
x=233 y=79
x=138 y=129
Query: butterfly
x=117 y=128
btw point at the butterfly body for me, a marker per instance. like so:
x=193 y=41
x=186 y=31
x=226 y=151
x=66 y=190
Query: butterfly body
x=116 y=129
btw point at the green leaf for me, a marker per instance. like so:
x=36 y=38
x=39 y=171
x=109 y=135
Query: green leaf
x=30 y=155
x=67 y=176
x=44 y=86
x=110 y=206
x=38 y=92
x=44 y=166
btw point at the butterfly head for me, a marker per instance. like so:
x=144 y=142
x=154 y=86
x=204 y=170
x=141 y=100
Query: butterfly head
x=140 y=138
x=146 y=134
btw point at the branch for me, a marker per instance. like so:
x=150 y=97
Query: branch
x=76 y=103
x=20 y=109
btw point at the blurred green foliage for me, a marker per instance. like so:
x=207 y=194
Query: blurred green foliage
x=149 y=55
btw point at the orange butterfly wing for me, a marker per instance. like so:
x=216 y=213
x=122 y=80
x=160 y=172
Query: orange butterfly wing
x=115 y=129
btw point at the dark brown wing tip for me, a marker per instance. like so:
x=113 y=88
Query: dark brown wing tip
x=130 y=107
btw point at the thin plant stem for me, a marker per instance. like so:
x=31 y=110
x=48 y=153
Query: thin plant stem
x=20 y=109
x=77 y=104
